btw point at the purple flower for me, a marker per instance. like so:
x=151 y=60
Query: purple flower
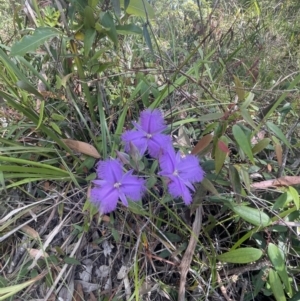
x=148 y=134
x=114 y=184
x=181 y=172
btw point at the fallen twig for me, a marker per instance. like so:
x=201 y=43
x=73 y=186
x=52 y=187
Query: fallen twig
x=188 y=255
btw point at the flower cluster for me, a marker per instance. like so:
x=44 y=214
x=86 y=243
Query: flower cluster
x=180 y=171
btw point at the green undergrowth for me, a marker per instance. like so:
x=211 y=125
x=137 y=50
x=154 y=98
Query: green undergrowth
x=74 y=76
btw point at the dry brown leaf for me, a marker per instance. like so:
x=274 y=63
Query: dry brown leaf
x=30 y=232
x=283 y=181
x=82 y=147
x=202 y=144
x=78 y=293
x=92 y=297
x=278 y=151
x=35 y=252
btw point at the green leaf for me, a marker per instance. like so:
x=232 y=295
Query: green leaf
x=41 y=116
x=252 y=215
x=239 y=88
x=89 y=38
x=137 y=208
x=29 y=88
x=71 y=260
x=294 y=193
x=261 y=145
x=220 y=153
x=280 y=201
x=137 y=8
x=243 y=141
x=32 y=42
x=147 y=37
x=241 y=255
x=55 y=127
x=276 y=286
x=211 y=116
x=108 y=22
x=278 y=262
x=89 y=20
x=117 y=7
x=277 y=131
x=235 y=181
x=248 y=118
x=128 y=29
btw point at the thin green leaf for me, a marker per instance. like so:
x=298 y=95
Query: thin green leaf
x=32 y=42
x=235 y=181
x=295 y=196
x=89 y=20
x=137 y=8
x=241 y=255
x=147 y=37
x=29 y=88
x=41 y=116
x=243 y=141
x=278 y=262
x=261 y=145
x=129 y=29
x=108 y=22
x=89 y=38
x=277 y=131
x=220 y=153
x=252 y=215
x=239 y=88
x=211 y=116
x=276 y=286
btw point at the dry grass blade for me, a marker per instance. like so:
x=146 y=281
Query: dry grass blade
x=188 y=255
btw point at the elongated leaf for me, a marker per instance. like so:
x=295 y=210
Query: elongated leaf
x=108 y=22
x=261 y=145
x=8 y=291
x=252 y=215
x=220 y=153
x=89 y=20
x=276 y=286
x=278 y=262
x=235 y=181
x=137 y=8
x=202 y=143
x=89 y=38
x=241 y=255
x=29 y=88
x=147 y=37
x=277 y=131
x=239 y=88
x=32 y=42
x=212 y=116
x=280 y=201
x=295 y=196
x=243 y=141
x=129 y=29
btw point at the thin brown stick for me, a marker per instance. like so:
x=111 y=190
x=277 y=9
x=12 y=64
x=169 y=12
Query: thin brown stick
x=188 y=255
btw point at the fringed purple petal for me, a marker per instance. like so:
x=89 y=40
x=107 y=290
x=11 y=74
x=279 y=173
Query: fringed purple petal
x=132 y=186
x=152 y=121
x=138 y=138
x=105 y=198
x=157 y=143
x=110 y=170
x=177 y=188
x=167 y=162
x=189 y=169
